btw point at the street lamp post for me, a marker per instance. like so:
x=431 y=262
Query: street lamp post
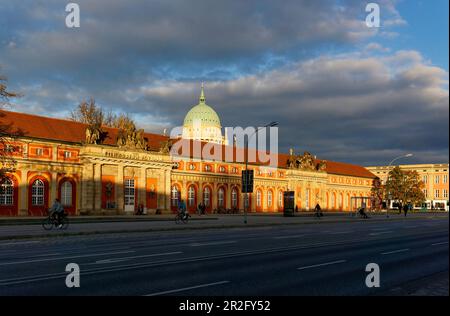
x=246 y=201
x=387 y=177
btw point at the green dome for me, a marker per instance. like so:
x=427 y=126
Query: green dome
x=202 y=112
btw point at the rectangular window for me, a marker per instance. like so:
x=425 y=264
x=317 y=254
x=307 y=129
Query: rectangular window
x=39 y=151
x=425 y=192
x=67 y=154
x=129 y=192
x=445 y=179
x=425 y=179
x=437 y=179
x=436 y=194
x=445 y=193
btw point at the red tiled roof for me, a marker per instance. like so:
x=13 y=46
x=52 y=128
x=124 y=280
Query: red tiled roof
x=332 y=167
x=34 y=126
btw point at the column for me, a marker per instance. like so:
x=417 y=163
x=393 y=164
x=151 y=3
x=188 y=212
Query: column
x=200 y=193
x=264 y=191
x=87 y=195
x=119 y=189
x=23 y=192
x=142 y=186
x=228 y=196
x=53 y=187
x=97 y=187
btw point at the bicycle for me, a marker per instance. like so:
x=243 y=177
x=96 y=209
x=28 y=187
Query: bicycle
x=181 y=218
x=51 y=221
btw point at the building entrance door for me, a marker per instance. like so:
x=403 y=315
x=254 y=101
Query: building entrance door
x=129 y=195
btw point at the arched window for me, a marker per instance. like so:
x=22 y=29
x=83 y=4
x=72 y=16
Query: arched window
x=340 y=201
x=258 y=198
x=333 y=201
x=269 y=198
x=6 y=192
x=234 y=198
x=37 y=193
x=66 y=193
x=191 y=196
x=220 y=197
x=175 y=195
x=207 y=196
x=280 y=198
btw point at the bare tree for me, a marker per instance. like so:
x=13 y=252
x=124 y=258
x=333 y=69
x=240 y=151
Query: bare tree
x=7 y=163
x=89 y=113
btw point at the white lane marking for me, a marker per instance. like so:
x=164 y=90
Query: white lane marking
x=188 y=288
x=322 y=264
x=286 y=237
x=440 y=243
x=64 y=258
x=19 y=243
x=45 y=255
x=395 y=251
x=113 y=260
x=199 y=244
x=380 y=233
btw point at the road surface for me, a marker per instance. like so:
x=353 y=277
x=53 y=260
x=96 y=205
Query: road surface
x=319 y=259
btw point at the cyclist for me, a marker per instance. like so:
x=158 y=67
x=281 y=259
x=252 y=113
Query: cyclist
x=318 y=211
x=57 y=211
x=182 y=209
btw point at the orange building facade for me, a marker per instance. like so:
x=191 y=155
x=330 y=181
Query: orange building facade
x=52 y=159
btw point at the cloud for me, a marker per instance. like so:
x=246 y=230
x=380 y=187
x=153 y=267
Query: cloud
x=339 y=107
x=262 y=61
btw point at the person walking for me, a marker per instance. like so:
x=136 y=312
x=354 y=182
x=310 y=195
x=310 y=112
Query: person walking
x=405 y=208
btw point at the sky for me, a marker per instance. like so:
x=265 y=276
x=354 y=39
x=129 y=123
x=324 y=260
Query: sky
x=339 y=89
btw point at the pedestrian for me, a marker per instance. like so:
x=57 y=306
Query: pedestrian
x=405 y=208
x=399 y=205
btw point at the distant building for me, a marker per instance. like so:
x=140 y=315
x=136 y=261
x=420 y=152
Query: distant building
x=434 y=176
x=109 y=171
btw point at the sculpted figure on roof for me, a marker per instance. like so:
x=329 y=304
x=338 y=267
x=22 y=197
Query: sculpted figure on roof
x=93 y=135
x=165 y=147
x=130 y=138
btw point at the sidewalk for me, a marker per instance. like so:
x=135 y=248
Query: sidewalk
x=123 y=224
x=435 y=285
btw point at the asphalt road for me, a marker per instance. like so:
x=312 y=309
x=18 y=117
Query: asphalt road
x=320 y=259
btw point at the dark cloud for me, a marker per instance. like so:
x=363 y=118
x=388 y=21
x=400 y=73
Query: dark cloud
x=351 y=108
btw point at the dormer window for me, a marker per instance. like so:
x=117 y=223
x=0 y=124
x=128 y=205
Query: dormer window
x=39 y=151
x=67 y=154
